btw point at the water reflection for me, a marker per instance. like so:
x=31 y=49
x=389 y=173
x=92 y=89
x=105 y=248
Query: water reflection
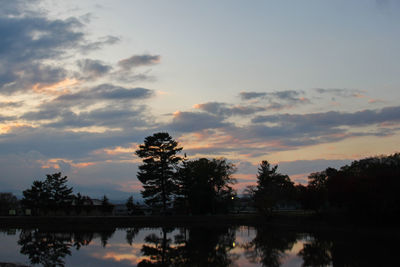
x=317 y=253
x=48 y=249
x=202 y=246
x=208 y=246
x=269 y=245
x=159 y=249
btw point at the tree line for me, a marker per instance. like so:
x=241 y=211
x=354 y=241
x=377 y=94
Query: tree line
x=174 y=184
x=366 y=186
x=53 y=196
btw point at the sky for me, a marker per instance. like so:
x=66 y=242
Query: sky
x=303 y=84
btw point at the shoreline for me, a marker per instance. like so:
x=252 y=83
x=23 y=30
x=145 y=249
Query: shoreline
x=126 y=221
x=287 y=222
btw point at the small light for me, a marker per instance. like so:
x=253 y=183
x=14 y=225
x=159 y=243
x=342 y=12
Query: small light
x=233 y=244
x=233 y=198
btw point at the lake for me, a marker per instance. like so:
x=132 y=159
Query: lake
x=196 y=246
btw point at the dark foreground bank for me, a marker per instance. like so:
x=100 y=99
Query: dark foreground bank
x=298 y=221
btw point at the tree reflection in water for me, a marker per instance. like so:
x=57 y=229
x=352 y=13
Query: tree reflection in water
x=215 y=246
x=48 y=249
x=105 y=235
x=196 y=246
x=130 y=234
x=317 y=253
x=342 y=249
x=51 y=248
x=269 y=246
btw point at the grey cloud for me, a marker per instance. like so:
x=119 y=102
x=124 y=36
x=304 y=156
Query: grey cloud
x=334 y=118
x=284 y=95
x=251 y=95
x=92 y=69
x=195 y=121
x=44 y=114
x=34 y=38
x=105 y=92
x=277 y=99
x=6 y=118
x=296 y=130
x=124 y=117
x=214 y=150
x=17 y=7
x=286 y=131
x=139 y=60
x=109 y=91
x=11 y=104
x=224 y=109
x=56 y=143
x=26 y=42
x=132 y=77
x=287 y=95
x=104 y=41
x=109 y=117
x=118 y=112
x=341 y=92
x=30 y=44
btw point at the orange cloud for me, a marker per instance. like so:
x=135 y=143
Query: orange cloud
x=249 y=177
x=59 y=88
x=373 y=101
x=299 y=178
x=83 y=164
x=131 y=186
x=122 y=150
x=358 y=95
x=6 y=127
x=129 y=256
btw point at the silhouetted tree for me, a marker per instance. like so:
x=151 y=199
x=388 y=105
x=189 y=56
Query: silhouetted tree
x=60 y=195
x=106 y=206
x=272 y=188
x=130 y=205
x=205 y=185
x=315 y=195
x=365 y=187
x=53 y=193
x=159 y=154
x=36 y=197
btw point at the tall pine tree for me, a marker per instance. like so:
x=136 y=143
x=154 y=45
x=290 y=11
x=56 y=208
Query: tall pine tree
x=157 y=173
x=272 y=188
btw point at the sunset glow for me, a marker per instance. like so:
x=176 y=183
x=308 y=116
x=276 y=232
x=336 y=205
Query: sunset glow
x=305 y=85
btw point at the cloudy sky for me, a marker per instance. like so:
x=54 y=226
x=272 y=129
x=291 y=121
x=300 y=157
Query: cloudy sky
x=302 y=84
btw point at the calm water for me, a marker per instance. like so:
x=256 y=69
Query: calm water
x=196 y=246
